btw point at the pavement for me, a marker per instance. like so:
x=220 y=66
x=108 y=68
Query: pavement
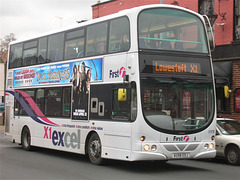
x=2 y=128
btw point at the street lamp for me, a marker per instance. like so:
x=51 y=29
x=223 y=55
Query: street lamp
x=211 y=15
x=212 y=18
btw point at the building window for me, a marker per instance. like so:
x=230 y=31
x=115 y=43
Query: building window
x=223 y=104
x=237 y=20
x=237 y=100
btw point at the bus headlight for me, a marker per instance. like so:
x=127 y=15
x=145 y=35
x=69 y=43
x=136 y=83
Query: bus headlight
x=206 y=146
x=146 y=147
x=153 y=147
x=211 y=146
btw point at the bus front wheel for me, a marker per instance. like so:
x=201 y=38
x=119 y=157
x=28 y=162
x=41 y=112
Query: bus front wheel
x=26 y=139
x=95 y=149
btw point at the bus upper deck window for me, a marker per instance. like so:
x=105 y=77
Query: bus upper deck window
x=97 y=39
x=119 y=39
x=55 y=47
x=171 y=30
x=74 y=45
x=30 y=53
x=42 y=50
x=16 y=55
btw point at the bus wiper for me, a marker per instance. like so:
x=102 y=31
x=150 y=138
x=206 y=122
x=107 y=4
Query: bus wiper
x=195 y=80
x=174 y=78
x=177 y=79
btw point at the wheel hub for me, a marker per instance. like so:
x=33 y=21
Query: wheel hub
x=232 y=156
x=26 y=139
x=95 y=149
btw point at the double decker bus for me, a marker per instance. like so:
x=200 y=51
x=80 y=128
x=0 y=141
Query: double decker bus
x=136 y=85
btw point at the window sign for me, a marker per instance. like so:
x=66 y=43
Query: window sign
x=237 y=100
x=186 y=100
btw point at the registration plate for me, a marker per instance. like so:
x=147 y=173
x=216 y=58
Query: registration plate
x=181 y=155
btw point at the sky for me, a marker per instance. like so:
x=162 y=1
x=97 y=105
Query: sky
x=29 y=18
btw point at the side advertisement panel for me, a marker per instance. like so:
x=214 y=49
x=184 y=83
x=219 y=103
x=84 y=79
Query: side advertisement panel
x=79 y=73
x=56 y=74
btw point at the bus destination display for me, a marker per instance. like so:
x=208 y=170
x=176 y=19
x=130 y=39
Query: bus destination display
x=176 y=67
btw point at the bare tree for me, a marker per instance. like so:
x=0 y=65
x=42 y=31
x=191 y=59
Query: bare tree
x=5 y=42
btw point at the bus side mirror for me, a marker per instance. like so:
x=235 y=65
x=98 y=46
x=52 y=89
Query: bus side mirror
x=126 y=78
x=122 y=94
x=226 y=91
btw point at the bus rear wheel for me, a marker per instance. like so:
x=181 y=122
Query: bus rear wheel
x=26 y=139
x=95 y=149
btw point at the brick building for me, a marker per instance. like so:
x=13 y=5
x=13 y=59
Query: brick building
x=225 y=16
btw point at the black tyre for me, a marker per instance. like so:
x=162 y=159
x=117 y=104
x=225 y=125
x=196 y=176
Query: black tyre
x=233 y=155
x=26 y=139
x=95 y=149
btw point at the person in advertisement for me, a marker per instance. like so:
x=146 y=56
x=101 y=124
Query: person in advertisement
x=79 y=99
x=81 y=92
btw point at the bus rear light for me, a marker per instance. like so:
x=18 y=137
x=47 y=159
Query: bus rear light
x=212 y=138
x=142 y=138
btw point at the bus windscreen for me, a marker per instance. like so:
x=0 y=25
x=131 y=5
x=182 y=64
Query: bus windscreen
x=170 y=29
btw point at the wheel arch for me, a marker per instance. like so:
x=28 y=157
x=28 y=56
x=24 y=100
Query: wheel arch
x=26 y=138
x=23 y=128
x=87 y=140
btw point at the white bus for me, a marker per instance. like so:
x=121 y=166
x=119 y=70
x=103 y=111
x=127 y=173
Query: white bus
x=136 y=85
